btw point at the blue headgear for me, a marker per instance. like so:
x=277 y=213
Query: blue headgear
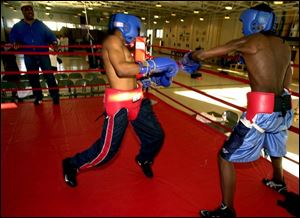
x=253 y=20
x=129 y=25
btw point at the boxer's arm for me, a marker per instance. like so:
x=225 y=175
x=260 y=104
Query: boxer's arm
x=242 y=45
x=165 y=65
x=288 y=77
x=123 y=68
x=14 y=38
x=116 y=56
x=161 y=70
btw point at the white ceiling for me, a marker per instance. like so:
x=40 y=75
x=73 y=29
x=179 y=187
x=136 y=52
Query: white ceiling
x=148 y=9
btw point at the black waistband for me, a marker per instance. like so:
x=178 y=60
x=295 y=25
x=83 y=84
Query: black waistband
x=283 y=103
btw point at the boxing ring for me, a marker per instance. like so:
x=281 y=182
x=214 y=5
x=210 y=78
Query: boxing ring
x=35 y=139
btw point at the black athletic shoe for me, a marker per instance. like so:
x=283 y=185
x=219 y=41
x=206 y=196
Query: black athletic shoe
x=276 y=185
x=69 y=173
x=222 y=211
x=56 y=101
x=146 y=167
x=196 y=75
x=37 y=102
x=20 y=100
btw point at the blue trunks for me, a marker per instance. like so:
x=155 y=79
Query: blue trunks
x=266 y=130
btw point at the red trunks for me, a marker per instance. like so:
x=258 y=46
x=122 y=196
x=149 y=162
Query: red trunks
x=115 y=100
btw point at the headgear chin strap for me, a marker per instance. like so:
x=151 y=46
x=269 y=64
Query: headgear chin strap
x=129 y=25
x=255 y=21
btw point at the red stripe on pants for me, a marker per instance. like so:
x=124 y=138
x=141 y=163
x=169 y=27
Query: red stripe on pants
x=106 y=146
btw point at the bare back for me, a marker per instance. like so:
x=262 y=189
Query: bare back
x=118 y=63
x=268 y=67
x=267 y=59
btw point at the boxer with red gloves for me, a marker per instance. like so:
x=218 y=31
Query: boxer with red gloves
x=124 y=102
x=269 y=112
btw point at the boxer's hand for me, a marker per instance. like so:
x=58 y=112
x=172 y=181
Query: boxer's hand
x=157 y=79
x=187 y=64
x=16 y=46
x=164 y=65
x=161 y=80
x=146 y=82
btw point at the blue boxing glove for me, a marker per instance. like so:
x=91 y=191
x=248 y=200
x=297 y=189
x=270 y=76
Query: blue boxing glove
x=164 y=65
x=146 y=82
x=161 y=80
x=188 y=65
x=241 y=60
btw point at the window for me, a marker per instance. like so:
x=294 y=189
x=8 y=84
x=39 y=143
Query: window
x=51 y=25
x=70 y=25
x=159 y=33
x=11 y=22
x=59 y=25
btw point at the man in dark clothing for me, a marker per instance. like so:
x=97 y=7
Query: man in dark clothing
x=30 y=31
x=10 y=64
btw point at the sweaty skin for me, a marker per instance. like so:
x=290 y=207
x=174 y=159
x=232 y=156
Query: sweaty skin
x=120 y=67
x=267 y=59
x=268 y=64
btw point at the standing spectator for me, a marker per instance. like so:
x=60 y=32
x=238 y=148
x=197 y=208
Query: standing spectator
x=148 y=44
x=30 y=31
x=64 y=41
x=10 y=64
x=197 y=74
x=54 y=58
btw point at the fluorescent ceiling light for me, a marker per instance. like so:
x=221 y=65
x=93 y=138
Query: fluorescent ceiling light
x=158 y=5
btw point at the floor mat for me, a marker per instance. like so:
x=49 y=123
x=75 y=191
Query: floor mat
x=35 y=139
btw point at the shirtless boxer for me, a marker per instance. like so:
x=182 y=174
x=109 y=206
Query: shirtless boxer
x=124 y=101
x=268 y=115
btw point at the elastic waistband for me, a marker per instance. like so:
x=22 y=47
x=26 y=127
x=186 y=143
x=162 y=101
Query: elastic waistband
x=115 y=95
x=265 y=102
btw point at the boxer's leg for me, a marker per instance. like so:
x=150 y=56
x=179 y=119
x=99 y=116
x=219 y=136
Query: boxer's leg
x=103 y=150
x=151 y=136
